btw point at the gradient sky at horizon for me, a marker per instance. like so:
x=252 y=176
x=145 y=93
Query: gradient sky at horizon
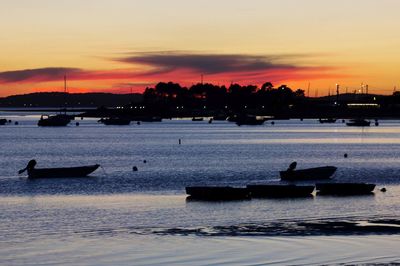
x=105 y=45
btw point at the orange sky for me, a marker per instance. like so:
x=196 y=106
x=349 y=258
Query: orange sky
x=119 y=45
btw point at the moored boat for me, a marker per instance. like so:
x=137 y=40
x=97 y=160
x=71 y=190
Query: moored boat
x=324 y=172
x=62 y=172
x=60 y=120
x=116 y=121
x=344 y=188
x=3 y=121
x=149 y=119
x=249 y=120
x=327 y=120
x=358 y=123
x=279 y=191
x=217 y=193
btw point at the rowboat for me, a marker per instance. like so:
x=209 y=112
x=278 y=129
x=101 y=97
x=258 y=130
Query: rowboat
x=279 y=191
x=217 y=193
x=344 y=188
x=358 y=123
x=62 y=172
x=324 y=172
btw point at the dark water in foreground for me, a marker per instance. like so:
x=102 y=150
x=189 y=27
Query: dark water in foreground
x=122 y=217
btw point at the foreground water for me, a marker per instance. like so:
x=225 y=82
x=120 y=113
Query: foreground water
x=118 y=216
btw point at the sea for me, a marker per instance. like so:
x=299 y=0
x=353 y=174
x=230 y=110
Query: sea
x=118 y=216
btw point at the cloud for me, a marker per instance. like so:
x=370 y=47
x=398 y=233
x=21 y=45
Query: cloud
x=146 y=69
x=210 y=64
x=36 y=75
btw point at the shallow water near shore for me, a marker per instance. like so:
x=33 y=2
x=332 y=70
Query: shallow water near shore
x=122 y=217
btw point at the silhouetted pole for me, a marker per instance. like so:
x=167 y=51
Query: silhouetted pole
x=337 y=94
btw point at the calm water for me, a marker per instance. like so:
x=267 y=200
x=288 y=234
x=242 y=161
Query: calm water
x=122 y=217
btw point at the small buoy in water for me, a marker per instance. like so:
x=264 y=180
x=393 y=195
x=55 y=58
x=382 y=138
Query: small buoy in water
x=383 y=189
x=16 y=123
x=301 y=119
x=343 y=121
x=180 y=142
x=134 y=169
x=138 y=122
x=345 y=155
x=376 y=123
x=9 y=121
x=144 y=161
x=77 y=123
x=272 y=123
x=81 y=117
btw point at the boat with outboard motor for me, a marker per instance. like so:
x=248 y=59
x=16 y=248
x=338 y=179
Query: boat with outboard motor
x=61 y=172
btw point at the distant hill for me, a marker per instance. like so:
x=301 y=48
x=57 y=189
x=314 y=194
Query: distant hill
x=57 y=99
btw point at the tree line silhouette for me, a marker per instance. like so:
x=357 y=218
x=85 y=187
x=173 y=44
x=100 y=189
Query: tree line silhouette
x=169 y=99
x=235 y=98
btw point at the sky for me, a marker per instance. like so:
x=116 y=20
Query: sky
x=121 y=46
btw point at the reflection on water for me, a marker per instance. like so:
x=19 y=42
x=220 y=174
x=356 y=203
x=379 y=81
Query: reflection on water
x=118 y=216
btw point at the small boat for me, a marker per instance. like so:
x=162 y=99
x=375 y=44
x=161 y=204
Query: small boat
x=116 y=121
x=324 y=172
x=150 y=119
x=220 y=117
x=249 y=120
x=197 y=119
x=217 y=193
x=80 y=171
x=344 y=188
x=327 y=120
x=60 y=120
x=358 y=123
x=3 y=121
x=279 y=191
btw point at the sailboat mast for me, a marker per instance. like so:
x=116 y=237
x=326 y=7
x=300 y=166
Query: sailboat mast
x=65 y=94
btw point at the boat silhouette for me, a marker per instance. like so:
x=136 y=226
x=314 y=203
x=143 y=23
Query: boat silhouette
x=344 y=188
x=279 y=191
x=327 y=120
x=117 y=121
x=61 y=172
x=324 y=172
x=217 y=193
x=60 y=120
x=358 y=123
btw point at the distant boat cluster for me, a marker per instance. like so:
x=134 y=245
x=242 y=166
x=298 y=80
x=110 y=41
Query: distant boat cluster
x=62 y=120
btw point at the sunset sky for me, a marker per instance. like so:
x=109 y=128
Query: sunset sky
x=119 y=45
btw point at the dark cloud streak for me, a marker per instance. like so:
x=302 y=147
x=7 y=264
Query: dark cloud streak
x=39 y=74
x=210 y=63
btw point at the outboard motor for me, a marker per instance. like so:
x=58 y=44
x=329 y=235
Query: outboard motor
x=31 y=165
x=292 y=166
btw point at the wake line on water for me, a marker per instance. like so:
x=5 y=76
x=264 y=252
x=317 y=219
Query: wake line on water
x=317 y=227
